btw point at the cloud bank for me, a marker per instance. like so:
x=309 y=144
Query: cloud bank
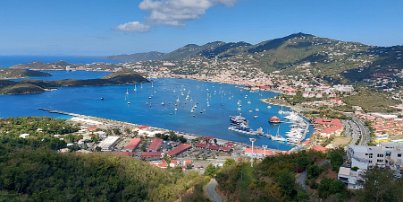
x=171 y=12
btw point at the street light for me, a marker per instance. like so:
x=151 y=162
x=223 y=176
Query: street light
x=252 y=140
x=264 y=149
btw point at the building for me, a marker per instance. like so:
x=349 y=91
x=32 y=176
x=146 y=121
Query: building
x=108 y=143
x=259 y=153
x=179 y=149
x=151 y=155
x=132 y=145
x=329 y=127
x=155 y=145
x=361 y=158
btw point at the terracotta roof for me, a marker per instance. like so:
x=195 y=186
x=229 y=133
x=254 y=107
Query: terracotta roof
x=179 y=149
x=133 y=144
x=155 y=144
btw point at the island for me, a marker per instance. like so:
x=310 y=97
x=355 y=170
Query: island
x=39 y=86
x=6 y=73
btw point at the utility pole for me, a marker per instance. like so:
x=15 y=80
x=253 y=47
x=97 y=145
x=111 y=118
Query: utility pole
x=264 y=148
x=252 y=140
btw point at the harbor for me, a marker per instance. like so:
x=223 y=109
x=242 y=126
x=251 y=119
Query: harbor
x=187 y=106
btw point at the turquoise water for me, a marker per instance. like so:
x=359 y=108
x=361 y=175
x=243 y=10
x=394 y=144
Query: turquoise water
x=213 y=121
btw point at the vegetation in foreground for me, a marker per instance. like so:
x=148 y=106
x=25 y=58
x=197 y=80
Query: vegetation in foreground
x=32 y=169
x=279 y=178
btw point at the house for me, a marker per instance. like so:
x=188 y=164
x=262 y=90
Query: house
x=132 y=145
x=361 y=158
x=155 y=145
x=108 y=143
x=179 y=149
x=259 y=152
x=151 y=155
x=351 y=177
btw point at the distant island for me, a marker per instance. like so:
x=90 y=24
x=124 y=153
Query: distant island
x=21 y=73
x=38 y=86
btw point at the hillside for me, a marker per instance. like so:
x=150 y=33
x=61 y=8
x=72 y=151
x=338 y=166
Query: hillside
x=153 y=55
x=300 y=53
x=37 y=86
x=31 y=169
x=6 y=73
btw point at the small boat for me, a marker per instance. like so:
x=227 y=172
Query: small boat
x=102 y=98
x=162 y=103
x=128 y=102
x=274 y=120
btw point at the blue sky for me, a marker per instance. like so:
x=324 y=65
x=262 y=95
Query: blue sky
x=105 y=27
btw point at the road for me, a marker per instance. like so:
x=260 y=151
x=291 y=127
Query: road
x=301 y=179
x=357 y=130
x=211 y=191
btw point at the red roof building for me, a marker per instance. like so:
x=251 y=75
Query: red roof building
x=319 y=148
x=179 y=149
x=132 y=144
x=155 y=144
x=150 y=155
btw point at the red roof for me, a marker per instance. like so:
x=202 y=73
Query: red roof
x=92 y=128
x=319 y=148
x=155 y=144
x=322 y=121
x=268 y=152
x=214 y=147
x=150 y=154
x=179 y=149
x=143 y=127
x=133 y=144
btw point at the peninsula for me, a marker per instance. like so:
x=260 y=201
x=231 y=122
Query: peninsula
x=38 y=86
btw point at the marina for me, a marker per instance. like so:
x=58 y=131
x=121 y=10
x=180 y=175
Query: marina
x=188 y=106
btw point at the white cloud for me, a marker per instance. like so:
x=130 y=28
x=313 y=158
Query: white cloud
x=133 y=26
x=172 y=12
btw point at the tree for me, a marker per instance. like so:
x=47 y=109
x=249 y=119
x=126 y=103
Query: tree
x=328 y=187
x=336 y=158
x=286 y=180
x=167 y=159
x=116 y=131
x=380 y=185
x=314 y=171
x=229 y=162
x=211 y=170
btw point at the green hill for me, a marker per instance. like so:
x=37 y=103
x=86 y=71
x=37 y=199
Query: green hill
x=21 y=73
x=32 y=170
x=296 y=54
x=37 y=86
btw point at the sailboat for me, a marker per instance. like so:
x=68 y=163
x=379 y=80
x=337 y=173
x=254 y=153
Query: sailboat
x=278 y=137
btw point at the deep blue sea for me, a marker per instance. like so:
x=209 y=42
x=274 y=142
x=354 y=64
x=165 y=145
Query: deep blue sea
x=146 y=105
x=7 y=61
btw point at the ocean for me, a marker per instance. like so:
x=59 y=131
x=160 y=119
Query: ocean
x=7 y=61
x=154 y=105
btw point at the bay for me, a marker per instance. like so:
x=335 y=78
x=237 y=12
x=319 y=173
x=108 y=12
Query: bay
x=154 y=105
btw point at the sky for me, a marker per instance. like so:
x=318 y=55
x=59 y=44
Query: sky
x=110 y=27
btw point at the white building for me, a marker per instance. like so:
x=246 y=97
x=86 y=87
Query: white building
x=344 y=88
x=360 y=158
x=108 y=143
